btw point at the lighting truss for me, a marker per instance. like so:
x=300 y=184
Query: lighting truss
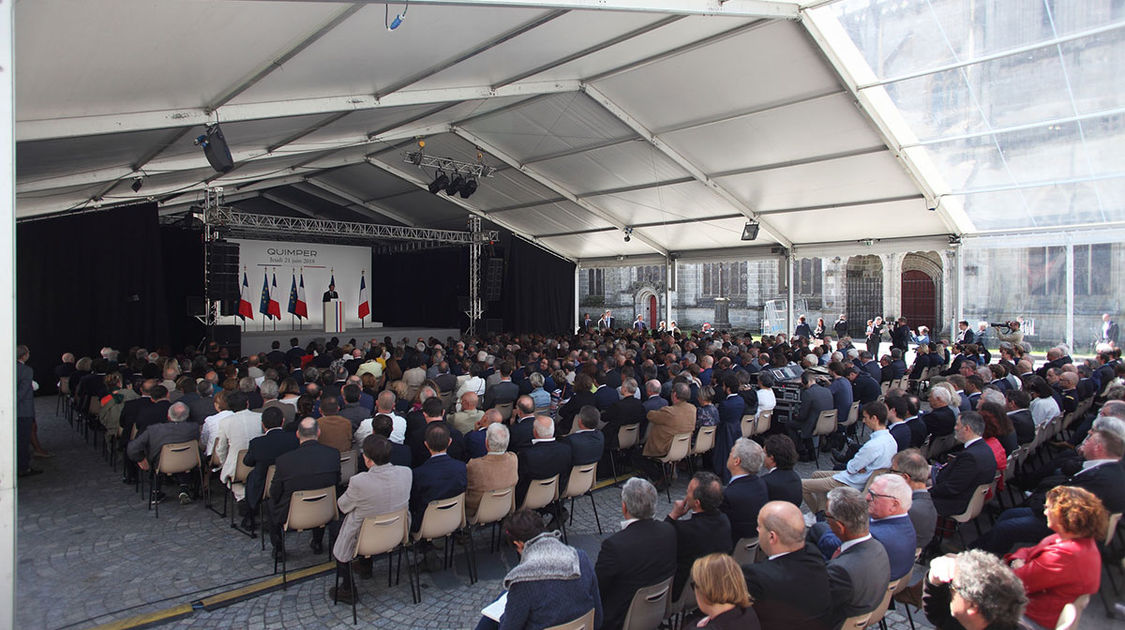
x=225 y=217
x=448 y=165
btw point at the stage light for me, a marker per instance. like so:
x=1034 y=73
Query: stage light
x=137 y=183
x=441 y=181
x=468 y=188
x=454 y=186
x=750 y=231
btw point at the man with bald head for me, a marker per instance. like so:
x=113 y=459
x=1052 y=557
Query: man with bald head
x=310 y=466
x=467 y=418
x=145 y=449
x=789 y=589
x=522 y=424
x=545 y=458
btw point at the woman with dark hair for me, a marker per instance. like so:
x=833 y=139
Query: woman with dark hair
x=992 y=429
x=583 y=395
x=1065 y=565
x=998 y=425
x=553 y=583
x=1043 y=403
x=782 y=482
x=818 y=332
x=767 y=400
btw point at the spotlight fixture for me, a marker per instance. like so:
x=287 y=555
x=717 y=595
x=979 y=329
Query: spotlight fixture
x=138 y=181
x=455 y=185
x=750 y=231
x=440 y=182
x=468 y=188
x=628 y=234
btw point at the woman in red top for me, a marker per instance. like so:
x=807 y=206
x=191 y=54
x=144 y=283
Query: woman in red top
x=1065 y=565
x=994 y=417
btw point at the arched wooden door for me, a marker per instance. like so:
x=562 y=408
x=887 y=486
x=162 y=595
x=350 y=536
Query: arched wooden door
x=653 y=315
x=919 y=299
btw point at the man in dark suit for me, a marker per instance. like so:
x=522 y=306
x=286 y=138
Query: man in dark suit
x=262 y=453
x=841 y=326
x=439 y=477
x=705 y=532
x=310 y=466
x=964 y=333
x=523 y=429
x=865 y=388
x=330 y=294
x=156 y=412
x=1017 y=402
x=746 y=493
x=504 y=391
x=587 y=444
x=815 y=398
x=627 y=410
x=276 y=356
x=896 y=420
x=782 y=482
x=940 y=419
x=1110 y=330
x=203 y=404
x=975 y=466
x=433 y=412
x=790 y=589
x=1101 y=473
x=295 y=352
x=145 y=450
x=382 y=425
x=545 y=458
x=642 y=554
x=859 y=570
x=868 y=364
x=352 y=410
x=605 y=395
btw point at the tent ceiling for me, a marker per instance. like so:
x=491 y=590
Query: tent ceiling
x=680 y=119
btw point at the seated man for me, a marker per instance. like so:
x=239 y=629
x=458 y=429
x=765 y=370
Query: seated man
x=310 y=466
x=746 y=493
x=522 y=424
x=665 y=423
x=815 y=398
x=439 y=477
x=888 y=501
x=628 y=410
x=790 y=589
x=642 y=554
x=707 y=531
x=940 y=419
x=876 y=453
x=545 y=458
x=383 y=489
x=1017 y=402
x=466 y=419
x=335 y=430
x=782 y=482
x=587 y=444
x=475 y=440
x=235 y=433
x=260 y=455
x=915 y=470
x=382 y=425
x=988 y=593
x=496 y=470
x=145 y=449
x=859 y=571
x=954 y=483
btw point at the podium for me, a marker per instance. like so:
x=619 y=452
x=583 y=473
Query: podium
x=334 y=316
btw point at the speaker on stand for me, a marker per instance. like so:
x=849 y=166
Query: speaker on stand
x=222 y=275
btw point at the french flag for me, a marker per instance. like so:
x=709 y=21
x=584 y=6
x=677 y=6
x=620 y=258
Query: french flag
x=245 y=308
x=364 y=303
x=274 y=306
x=302 y=305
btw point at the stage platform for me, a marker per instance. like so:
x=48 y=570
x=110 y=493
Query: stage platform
x=255 y=341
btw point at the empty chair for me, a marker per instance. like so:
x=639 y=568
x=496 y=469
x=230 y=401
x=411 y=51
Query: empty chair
x=442 y=519
x=704 y=441
x=308 y=509
x=649 y=604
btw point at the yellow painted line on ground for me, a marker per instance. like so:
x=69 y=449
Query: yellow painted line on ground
x=250 y=590
x=605 y=483
x=140 y=621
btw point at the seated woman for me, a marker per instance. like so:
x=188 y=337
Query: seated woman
x=706 y=415
x=993 y=429
x=720 y=592
x=766 y=398
x=553 y=583
x=1065 y=565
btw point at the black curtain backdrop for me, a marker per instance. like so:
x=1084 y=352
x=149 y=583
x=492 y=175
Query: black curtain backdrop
x=183 y=277
x=420 y=288
x=538 y=290
x=90 y=280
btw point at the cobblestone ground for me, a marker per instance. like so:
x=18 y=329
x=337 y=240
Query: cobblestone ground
x=89 y=552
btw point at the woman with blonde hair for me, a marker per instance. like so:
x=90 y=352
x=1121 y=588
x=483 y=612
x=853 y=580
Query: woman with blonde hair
x=720 y=592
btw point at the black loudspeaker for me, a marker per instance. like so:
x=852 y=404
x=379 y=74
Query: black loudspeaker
x=215 y=148
x=222 y=275
x=492 y=326
x=229 y=337
x=493 y=279
x=196 y=307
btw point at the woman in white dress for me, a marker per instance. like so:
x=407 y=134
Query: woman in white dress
x=766 y=398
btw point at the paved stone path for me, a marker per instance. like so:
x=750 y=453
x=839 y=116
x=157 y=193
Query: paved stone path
x=89 y=552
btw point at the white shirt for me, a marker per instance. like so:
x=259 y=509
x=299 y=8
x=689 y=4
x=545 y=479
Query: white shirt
x=853 y=542
x=767 y=400
x=398 y=428
x=1093 y=463
x=734 y=477
x=235 y=433
x=210 y=430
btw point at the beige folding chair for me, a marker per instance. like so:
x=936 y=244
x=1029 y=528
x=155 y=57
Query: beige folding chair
x=745 y=551
x=581 y=483
x=626 y=439
x=179 y=457
x=765 y=419
x=378 y=535
x=308 y=509
x=263 y=505
x=241 y=472
x=677 y=451
x=749 y=426
x=975 y=507
x=853 y=415
x=541 y=493
x=494 y=507
x=1072 y=613
x=648 y=607
x=892 y=588
x=704 y=442
x=349 y=466
x=442 y=519
x=825 y=423
x=857 y=622
x=585 y=622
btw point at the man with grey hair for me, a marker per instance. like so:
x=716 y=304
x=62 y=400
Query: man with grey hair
x=975 y=466
x=940 y=419
x=974 y=590
x=545 y=458
x=859 y=570
x=746 y=493
x=915 y=471
x=790 y=588
x=145 y=448
x=643 y=553
x=495 y=470
x=888 y=501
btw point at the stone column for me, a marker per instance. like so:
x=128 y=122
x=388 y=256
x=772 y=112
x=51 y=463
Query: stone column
x=948 y=291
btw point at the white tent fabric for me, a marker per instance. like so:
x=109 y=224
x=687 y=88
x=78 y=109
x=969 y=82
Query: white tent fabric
x=678 y=119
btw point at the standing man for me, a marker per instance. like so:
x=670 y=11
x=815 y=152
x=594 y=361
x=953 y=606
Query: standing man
x=330 y=294
x=25 y=411
x=1109 y=330
x=639 y=324
x=841 y=326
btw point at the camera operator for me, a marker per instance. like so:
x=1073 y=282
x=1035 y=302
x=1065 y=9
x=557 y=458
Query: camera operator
x=1014 y=335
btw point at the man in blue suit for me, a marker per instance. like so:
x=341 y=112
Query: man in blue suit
x=746 y=493
x=731 y=409
x=439 y=477
x=888 y=504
